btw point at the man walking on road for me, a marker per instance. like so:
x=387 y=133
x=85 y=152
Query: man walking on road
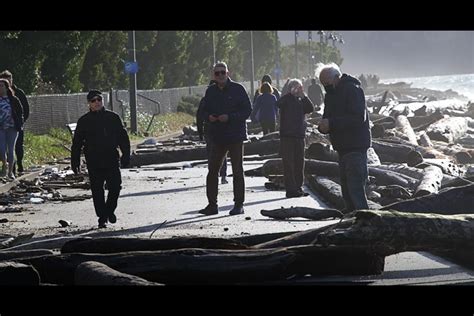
x=99 y=132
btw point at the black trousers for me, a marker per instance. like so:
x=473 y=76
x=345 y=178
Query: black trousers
x=19 y=149
x=292 y=155
x=113 y=179
x=216 y=157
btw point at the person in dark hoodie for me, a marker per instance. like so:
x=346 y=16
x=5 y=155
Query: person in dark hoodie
x=226 y=108
x=202 y=128
x=346 y=119
x=20 y=94
x=100 y=132
x=293 y=107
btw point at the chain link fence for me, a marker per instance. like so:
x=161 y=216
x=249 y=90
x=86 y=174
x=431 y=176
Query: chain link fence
x=58 y=110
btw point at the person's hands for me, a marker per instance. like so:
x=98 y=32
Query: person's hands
x=323 y=126
x=212 y=118
x=223 y=118
x=124 y=161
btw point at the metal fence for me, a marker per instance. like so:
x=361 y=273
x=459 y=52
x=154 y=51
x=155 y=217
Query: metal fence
x=58 y=110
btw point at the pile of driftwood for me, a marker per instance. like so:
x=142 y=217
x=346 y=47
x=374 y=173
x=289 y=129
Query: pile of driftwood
x=356 y=245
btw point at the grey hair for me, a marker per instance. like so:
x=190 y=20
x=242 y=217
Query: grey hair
x=220 y=64
x=293 y=82
x=332 y=68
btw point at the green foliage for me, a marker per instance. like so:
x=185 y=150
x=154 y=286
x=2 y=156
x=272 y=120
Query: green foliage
x=40 y=149
x=189 y=104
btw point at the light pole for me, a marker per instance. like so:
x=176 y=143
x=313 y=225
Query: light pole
x=321 y=38
x=296 y=54
x=310 y=64
x=213 y=49
x=277 y=59
x=252 y=88
x=133 y=83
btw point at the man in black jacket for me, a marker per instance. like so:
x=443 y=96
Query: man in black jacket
x=226 y=108
x=315 y=94
x=346 y=119
x=100 y=132
x=20 y=94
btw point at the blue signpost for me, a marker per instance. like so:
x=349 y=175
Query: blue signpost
x=131 y=67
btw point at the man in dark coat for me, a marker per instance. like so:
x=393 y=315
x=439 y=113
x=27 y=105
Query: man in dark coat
x=20 y=94
x=346 y=119
x=226 y=108
x=99 y=132
x=315 y=94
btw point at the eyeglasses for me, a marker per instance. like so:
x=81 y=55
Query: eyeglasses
x=95 y=99
x=222 y=72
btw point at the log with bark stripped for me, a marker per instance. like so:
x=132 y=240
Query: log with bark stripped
x=404 y=126
x=305 y=212
x=14 y=274
x=430 y=182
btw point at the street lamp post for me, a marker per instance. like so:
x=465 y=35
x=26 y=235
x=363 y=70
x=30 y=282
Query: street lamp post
x=310 y=65
x=277 y=60
x=213 y=49
x=252 y=88
x=133 y=83
x=321 y=38
x=296 y=54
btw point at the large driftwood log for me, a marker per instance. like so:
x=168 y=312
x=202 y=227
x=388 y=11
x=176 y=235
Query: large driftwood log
x=430 y=182
x=305 y=212
x=390 y=232
x=191 y=266
x=306 y=237
x=448 y=129
x=422 y=122
x=390 y=152
x=458 y=200
x=404 y=126
x=96 y=273
x=182 y=266
x=264 y=147
x=324 y=152
x=14 y=274
x=252 y=240
x=114 y=244
x=331 y=169
x=328 y=189
x=425 y=140
x=17 y=254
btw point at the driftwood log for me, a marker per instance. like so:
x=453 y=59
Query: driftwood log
x=430 y=182
x=114 y=244
x=391 y=152
x=458 y=200
x=14 y=274
x=390 y=232
x=448 y=129
x=17 y=254
x=324 y=152
x=404 y=126
x=327 y=189
x=96 y=273
x=192 y=266
x=331 y=169
x=305 y=212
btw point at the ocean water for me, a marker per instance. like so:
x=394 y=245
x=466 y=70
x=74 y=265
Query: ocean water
x=462 y=84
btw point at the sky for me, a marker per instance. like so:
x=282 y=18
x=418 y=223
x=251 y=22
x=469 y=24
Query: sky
x=395 y=54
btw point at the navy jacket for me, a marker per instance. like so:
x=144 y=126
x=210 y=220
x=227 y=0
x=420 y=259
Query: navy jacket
x=265 y=109
x=20 y=94
x=234 y=101
x=348 y=117
x=292 y=111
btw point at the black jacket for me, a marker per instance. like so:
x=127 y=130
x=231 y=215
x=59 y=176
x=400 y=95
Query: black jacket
x=292 y=111
x=20 y=94
x=100 y=133
x=234 y=101
x=315 y=94
x=348 y=117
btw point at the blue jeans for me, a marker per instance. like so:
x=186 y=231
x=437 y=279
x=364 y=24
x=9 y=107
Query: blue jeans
x=7 y=144
x=354 y=173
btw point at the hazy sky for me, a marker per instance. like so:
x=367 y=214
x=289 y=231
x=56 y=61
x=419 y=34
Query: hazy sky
x=392 y=54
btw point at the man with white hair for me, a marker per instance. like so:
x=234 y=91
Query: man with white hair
x=346 y=120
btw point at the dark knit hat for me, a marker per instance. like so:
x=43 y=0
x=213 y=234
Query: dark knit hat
x=267 y=78
x=93 y=93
